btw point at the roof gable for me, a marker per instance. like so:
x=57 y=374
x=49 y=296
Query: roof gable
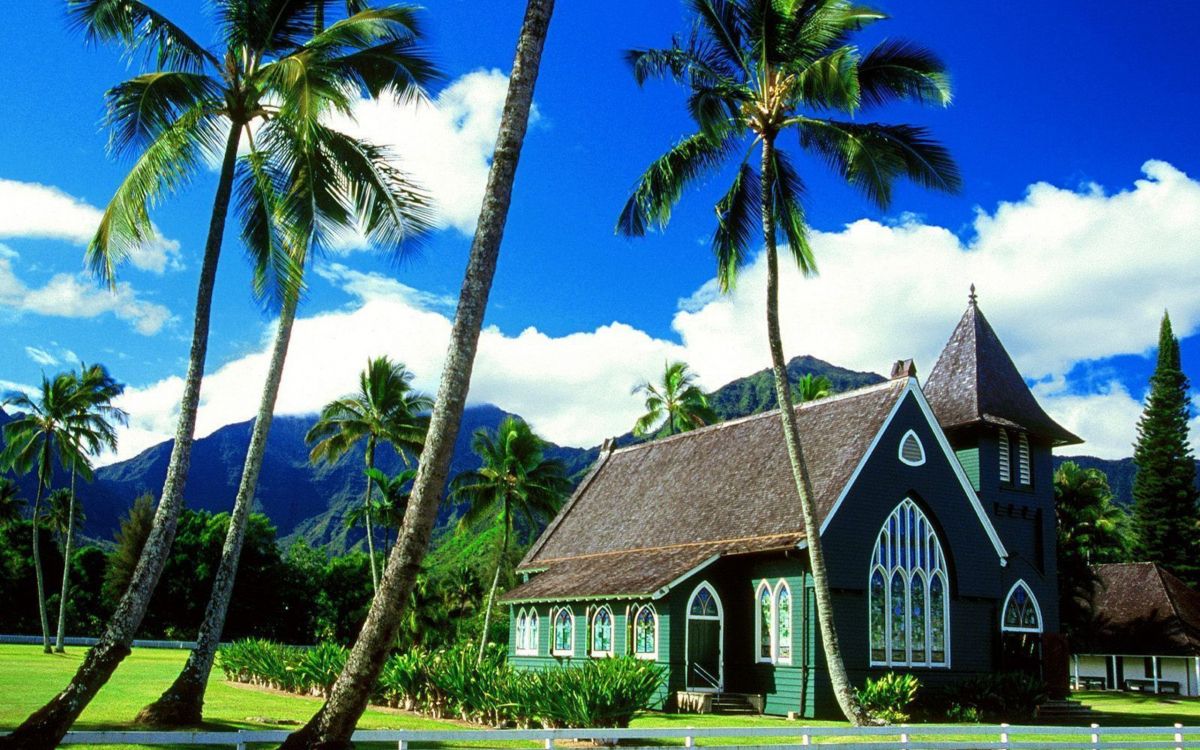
x=974 y=380
x=1142 y=609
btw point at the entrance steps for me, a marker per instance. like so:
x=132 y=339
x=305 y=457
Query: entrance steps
x=1065 y=712
x=729 y=704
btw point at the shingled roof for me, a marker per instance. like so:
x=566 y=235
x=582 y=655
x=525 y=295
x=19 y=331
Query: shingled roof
x=1139 y=608
x=650 y=513
x=975 y=381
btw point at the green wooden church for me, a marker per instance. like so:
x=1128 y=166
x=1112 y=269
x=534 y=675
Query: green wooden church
x=937 y=516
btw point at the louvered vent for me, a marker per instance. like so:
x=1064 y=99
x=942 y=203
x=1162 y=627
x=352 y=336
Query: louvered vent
x=911 y=450
x=1024 y=472
x=1005 y=469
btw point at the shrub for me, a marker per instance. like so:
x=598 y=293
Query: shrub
x=960 y=714
x=1007 y=696
x=888 y=699
x=316 y=669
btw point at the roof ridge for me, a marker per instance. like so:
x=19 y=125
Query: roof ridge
x=857 y=392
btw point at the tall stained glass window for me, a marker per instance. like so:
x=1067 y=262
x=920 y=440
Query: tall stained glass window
x=602 y=632
x=564 y=632
x=1021 y=611
x=765 y=619
x=783 y=623
x=909 y=615
x=645 y=632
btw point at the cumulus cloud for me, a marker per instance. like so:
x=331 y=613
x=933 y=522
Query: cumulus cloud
x=34 y=211
x=445 y=144
x=1055 y=277
x=75 y=296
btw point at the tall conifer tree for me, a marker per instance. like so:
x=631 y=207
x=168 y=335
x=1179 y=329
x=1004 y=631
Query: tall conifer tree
x=1164 y=488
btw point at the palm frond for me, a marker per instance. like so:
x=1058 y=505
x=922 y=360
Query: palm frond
x=738 y=220
x=788 y=209
x=139 y=110
x=277 y=250
x=141 y=30
x=903 y=71
x=829 y=82
x=725 y=22
x=660 y=188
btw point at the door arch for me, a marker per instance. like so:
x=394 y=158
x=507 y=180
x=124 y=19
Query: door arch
x=704 y=652
x=1021 y=628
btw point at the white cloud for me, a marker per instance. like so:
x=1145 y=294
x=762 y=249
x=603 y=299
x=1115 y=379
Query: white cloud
x=41 y=356
x=35 y=211
x=75 y=296
x=1064 y=276
x=445 y=144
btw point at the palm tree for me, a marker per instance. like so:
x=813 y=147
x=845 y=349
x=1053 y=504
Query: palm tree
x=392 y=504
x=12 y=505
x=755 y=70
x=272 y=85
x=41 y=434
x=676 y=404
x=334 y=723
x=392 y=212
x=514 y=478
x=812 y=387
x=94 y=392
x=385 y=409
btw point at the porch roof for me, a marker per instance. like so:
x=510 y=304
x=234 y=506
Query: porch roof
x=1140 y=608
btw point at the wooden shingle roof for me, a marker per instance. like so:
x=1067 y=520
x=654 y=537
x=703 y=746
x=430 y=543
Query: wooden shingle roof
x=975 y=381
x=650 y=513
x=1139 y=608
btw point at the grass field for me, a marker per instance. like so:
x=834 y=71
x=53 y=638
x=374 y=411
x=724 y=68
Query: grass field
x=28 y=678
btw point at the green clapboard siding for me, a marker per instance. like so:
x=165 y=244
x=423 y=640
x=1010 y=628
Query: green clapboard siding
x=969 y=458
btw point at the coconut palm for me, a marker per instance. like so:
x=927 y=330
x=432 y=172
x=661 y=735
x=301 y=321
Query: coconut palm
x=392 y=213
x=756 y=70
x=12 y=505
x=385 y=409
x=812 y=387
x=334 y=723
x=44 y=431
x=515 y=477
x=94 y=392
x=392 y=504
x=673 y=405
x=271 y=86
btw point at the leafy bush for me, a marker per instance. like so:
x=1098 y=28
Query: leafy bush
x=601 y=693
x=1007 y=696
x=959 y=714
x=317 y=668
x=888 y=699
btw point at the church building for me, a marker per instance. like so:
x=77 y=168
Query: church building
x=936 y=511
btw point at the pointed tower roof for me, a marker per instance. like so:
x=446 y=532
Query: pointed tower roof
x=975 y=381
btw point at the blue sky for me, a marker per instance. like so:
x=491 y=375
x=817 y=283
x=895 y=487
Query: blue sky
x=1074 y=98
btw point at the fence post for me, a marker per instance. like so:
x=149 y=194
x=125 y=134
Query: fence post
x=1004 y=736
x=402 y=745
x=903 y=736
x=1095 y=736
x=1178 y=736
x=689 y=741
x=549 y=743
x=805 y=739
x=241 y=739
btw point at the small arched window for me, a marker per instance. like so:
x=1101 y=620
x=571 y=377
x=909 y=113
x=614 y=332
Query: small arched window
x=783 y=623
x=908 y=615
x=527 y=632
x=645 y=633
x=911 y=450
x=602 y=632
x=764 y=619
x=564 y=632
x=1005 y=466
x=1024 y=470
x=1021 y=611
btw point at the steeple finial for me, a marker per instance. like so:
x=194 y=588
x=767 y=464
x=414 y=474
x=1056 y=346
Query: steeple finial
x=973 y=298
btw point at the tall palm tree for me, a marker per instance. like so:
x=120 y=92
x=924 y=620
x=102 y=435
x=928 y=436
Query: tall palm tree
x=334 y=723
x=272 y=85
x=756 y=70
x=392 y=213
x=12 y=505
x=812 y=387
x=385 y=409
x=673 y=405
x=41 y=434
x=92 y=401
x=515 y=477
x=392 y=504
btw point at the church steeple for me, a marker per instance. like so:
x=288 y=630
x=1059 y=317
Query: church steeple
x=975 y=381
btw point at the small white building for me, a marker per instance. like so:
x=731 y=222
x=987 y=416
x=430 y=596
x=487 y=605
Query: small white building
x=1146 y=635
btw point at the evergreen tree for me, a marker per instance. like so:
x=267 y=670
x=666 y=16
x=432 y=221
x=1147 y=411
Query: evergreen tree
x=1164 y=488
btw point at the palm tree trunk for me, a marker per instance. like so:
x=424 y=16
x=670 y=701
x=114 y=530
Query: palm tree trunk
x=842 y=689
x=332 y=726
x=37 y=563
x=487 y=613
x=62 y=597
x=182 y=704
x=370 y=456
x=47 y=726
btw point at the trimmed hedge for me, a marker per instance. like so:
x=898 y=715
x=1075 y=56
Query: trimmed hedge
x=448 y=682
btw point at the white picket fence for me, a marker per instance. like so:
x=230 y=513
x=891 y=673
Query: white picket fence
x=784 y=737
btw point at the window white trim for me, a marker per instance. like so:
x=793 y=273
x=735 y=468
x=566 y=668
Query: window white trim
x=1037 y=609
x=764 y=588
x=776 y=633
x=612 y=635
x=899 y=554
x=720 y=618
x=554 y=649
x=1024 y=470
x=527 y=632
x=637 y=614
x=1005 y=456
x=910 y=437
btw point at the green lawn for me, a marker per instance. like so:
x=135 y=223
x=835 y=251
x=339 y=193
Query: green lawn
x=29 y=678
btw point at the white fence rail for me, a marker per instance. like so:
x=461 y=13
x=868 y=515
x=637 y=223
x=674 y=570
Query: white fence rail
x=930 y=737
